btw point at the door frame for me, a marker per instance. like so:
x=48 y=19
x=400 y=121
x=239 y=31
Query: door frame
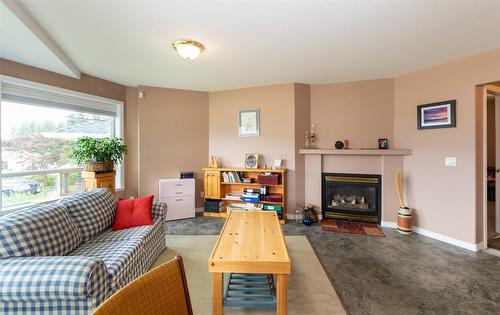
x=486 y=89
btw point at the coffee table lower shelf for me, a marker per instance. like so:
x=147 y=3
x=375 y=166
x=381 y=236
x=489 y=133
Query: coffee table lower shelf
x=250 y=290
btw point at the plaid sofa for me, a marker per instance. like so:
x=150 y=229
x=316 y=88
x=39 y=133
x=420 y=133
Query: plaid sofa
x=63 y=258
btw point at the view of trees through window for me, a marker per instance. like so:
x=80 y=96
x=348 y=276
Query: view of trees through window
x=36 y=144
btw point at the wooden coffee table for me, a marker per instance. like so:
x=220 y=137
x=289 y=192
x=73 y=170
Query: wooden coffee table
x=251 y=242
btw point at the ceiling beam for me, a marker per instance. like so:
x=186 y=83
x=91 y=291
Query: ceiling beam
x=29 y=21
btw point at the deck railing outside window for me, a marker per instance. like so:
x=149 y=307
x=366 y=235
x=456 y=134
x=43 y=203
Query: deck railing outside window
x=20 y=189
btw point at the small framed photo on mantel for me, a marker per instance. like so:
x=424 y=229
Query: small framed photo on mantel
x=248 y=123
x=436 y=115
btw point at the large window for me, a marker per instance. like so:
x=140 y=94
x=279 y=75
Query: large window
x=38 y=124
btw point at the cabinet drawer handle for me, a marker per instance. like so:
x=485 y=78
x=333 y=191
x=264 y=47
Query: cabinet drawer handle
x=178 y=185
x=179 y=199
x=178 y=193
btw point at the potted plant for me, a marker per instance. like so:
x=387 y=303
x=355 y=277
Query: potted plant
x=98 y=155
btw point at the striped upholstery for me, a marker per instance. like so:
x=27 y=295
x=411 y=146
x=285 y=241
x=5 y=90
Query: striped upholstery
x=72 y=282
x=39 y=307
x=39 y=231
x=120 y=256
x=92 y=211
x=24 y=279
x=159 y=210
x=132 y=250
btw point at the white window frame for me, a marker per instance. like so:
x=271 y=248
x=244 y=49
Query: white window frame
x=119 y=124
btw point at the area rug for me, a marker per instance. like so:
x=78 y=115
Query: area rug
x=351 y=227
x=309 y=289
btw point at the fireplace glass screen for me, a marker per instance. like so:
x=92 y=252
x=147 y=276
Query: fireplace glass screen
x=351 y=197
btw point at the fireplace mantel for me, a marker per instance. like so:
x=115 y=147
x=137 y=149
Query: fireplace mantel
x=355 y=161
x=356 y=152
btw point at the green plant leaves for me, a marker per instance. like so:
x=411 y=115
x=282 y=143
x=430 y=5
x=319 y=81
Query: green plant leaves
x=87 y=149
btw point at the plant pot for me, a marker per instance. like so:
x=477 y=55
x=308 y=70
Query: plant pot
x=99 y=167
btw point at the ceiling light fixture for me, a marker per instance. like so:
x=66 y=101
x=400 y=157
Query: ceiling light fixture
x=188 y=49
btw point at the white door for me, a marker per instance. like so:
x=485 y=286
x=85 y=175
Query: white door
x=497 y=163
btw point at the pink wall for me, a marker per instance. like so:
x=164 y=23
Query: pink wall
x=361 y=112
x=172 y=137
x=444 y=198
x=277 y=128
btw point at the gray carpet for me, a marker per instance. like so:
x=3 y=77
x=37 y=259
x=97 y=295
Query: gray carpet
x=394 y=274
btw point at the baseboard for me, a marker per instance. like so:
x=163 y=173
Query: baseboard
x=389 y=224
x=439 y=237
x=198 y=210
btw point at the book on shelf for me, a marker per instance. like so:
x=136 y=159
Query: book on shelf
x=250 y=196
x=235 y=208
x=272 y=208
x=214 y=203
x=232 y=177
x=233 y=196
x=214 y=206
x=251 y=190
x=243 y=207
x=215 y=210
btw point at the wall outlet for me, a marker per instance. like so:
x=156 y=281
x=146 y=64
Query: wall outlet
x=202 y=194
x=450 y=161
x=131 y=197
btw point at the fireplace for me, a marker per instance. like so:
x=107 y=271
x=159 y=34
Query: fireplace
x=355 y=197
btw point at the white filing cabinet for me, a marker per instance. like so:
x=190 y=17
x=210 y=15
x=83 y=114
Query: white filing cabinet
x=179 y=194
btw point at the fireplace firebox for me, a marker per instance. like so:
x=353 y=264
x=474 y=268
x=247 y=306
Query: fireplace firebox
x=355 y=197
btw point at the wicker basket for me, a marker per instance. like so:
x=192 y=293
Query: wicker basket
x=99 y=167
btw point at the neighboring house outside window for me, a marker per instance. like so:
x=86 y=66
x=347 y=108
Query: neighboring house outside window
x=38 y=124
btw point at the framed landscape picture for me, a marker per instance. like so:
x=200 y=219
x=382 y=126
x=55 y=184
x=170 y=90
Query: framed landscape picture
x=436 y=115
x=248 y=123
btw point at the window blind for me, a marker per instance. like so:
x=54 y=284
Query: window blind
x=53 y=99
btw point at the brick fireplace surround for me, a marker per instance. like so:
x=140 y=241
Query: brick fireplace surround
x=368 y=161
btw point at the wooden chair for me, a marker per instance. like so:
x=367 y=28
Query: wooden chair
x=162 y=290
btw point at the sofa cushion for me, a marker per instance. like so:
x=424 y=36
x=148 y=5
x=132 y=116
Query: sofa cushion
x=133 y=212
x=127 y=234
x=45 y=230
x=121 y=255
x=92 y=211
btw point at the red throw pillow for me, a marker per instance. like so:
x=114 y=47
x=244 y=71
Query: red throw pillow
x=133 y=212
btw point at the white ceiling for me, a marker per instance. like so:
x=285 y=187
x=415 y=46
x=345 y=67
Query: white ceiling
x=19 y=43
x=260 y=42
